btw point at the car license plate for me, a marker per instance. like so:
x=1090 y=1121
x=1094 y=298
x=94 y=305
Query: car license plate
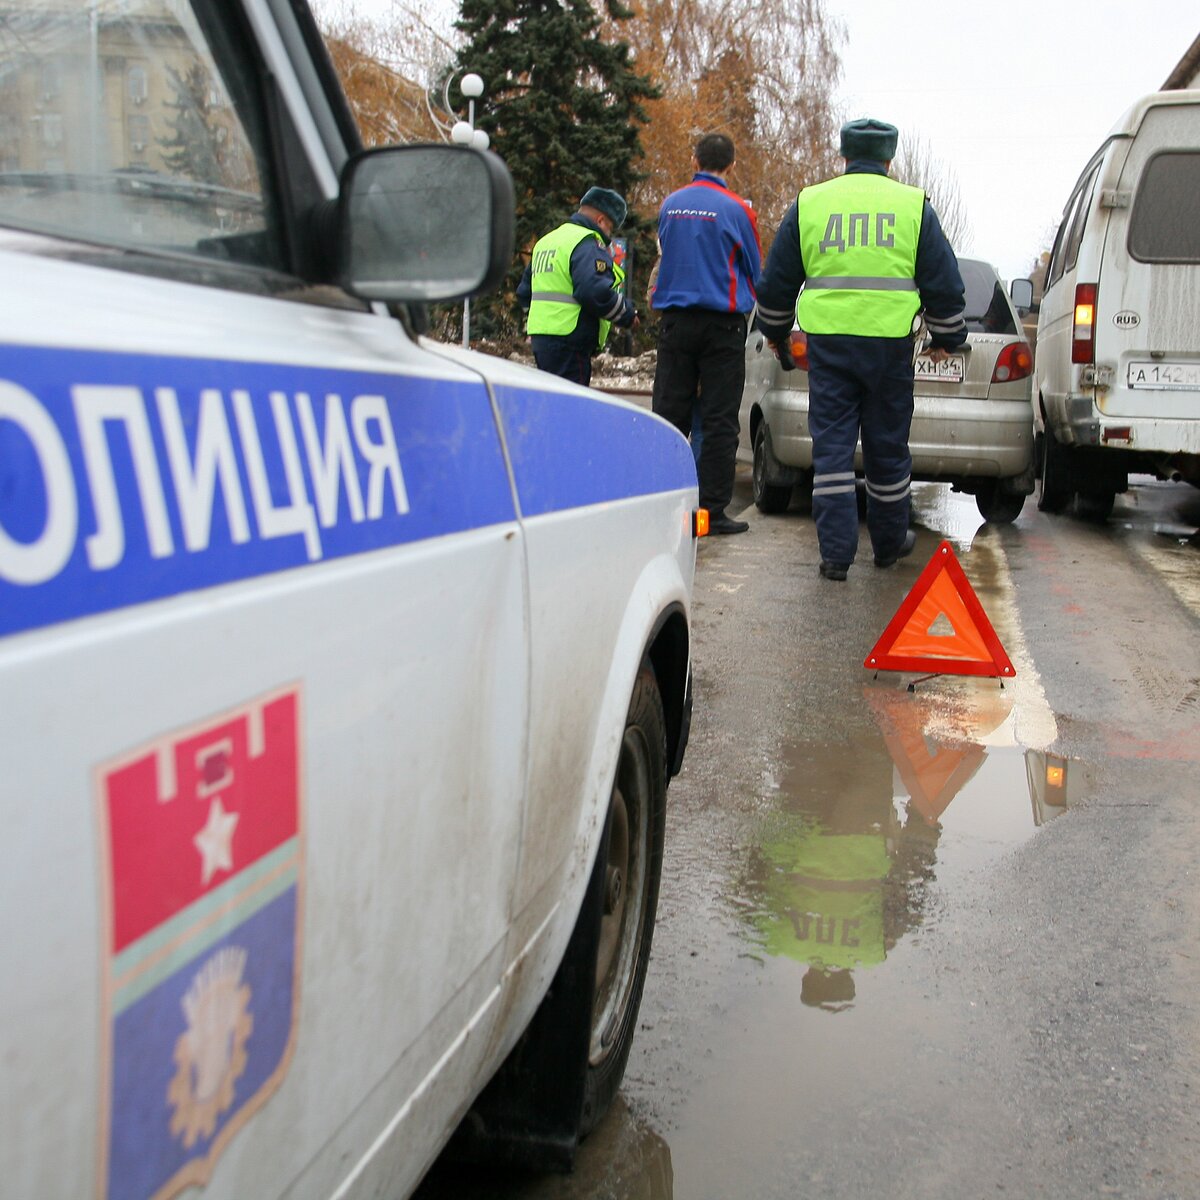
x=1164 y=376
x=949 y=370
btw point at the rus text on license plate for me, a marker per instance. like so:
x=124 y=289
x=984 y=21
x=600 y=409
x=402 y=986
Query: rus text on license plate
x=1164 y=375
x=949 y=370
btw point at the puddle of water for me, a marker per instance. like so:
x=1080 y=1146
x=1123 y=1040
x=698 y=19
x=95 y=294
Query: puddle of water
x=953 y=514
x=868 y=846
x=861 y=832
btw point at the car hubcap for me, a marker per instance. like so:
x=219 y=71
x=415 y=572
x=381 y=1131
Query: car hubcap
x=624 y=894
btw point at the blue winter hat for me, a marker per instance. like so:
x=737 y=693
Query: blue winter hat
x=868 y=138
x=610 y=203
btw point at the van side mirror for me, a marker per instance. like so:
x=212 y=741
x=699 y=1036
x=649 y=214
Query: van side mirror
x=418 y=224
x=1021 y=293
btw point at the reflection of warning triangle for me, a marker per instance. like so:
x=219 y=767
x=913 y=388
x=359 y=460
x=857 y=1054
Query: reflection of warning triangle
x=941 y=627
x=933 y=774
x=932 y=771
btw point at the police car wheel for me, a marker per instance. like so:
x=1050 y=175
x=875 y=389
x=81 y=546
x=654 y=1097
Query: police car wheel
x=768 y=497
x=631 y=858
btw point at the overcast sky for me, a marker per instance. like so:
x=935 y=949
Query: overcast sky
x=1013 y=98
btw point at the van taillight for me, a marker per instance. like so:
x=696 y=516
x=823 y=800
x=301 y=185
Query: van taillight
x=1083 y=328
x=1014 y=362
x=798 y=341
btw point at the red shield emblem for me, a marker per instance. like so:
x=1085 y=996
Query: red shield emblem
x=203 y=873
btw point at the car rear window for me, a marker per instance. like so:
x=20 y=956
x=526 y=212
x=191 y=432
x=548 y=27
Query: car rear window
x=988 y=309
x=1163 y=227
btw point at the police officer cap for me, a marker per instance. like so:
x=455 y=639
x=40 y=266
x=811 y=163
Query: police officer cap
x=610 y=203
x=868 y=138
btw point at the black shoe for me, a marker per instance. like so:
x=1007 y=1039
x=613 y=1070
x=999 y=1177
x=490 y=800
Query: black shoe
x=906 y=548
x=720 y=523
x=833 y=570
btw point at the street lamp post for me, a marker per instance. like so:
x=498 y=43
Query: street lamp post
x=464 y=133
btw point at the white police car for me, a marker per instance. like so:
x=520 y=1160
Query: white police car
x=341 y=673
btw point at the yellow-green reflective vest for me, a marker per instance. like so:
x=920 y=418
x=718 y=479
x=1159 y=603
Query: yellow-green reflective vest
x=553 y=308
x=858 y=238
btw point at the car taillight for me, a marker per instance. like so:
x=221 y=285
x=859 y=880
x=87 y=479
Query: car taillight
x=1014 y=362
x=1083 y=328
x=798 y=340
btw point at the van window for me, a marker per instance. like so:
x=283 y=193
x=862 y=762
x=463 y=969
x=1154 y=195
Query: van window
x=1163 y=227
x=1057 y=258
x=182 y=169
x=1079 y=221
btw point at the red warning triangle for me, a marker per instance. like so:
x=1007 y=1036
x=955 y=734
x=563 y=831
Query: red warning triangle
x=941 y=627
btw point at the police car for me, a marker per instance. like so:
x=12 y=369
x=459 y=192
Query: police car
x=342 y=673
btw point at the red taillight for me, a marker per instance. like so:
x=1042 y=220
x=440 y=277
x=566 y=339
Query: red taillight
x=798 y=340
x=1083 y=328
x=1015 y=361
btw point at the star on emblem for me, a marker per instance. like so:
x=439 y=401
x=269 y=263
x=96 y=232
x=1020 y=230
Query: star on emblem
x=215 y=841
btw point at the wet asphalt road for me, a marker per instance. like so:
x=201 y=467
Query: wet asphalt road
x=929 y=944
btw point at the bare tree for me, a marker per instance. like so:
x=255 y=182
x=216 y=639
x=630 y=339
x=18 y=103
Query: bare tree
x=918 y=165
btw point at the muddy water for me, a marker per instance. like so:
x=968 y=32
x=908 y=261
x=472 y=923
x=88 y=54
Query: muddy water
x=865 y=849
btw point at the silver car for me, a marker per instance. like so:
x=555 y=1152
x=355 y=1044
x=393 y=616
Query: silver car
x=972 y=419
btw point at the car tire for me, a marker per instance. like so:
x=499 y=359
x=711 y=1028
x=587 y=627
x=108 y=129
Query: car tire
x=562 y=1075
x=768 y=497
x=997 y=505
x=631 y=859
x=1055 y=493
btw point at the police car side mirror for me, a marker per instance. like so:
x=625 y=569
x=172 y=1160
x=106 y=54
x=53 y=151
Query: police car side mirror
x=418 y=224
x=1021 y=293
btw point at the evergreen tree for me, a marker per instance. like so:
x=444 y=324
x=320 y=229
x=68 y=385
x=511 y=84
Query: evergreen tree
x=563 y=108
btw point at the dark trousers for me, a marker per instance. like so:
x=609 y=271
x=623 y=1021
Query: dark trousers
x=559 y=357
x=860 y=386
x=702 y=357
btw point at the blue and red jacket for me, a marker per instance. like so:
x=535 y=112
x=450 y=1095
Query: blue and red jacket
x=711 y=252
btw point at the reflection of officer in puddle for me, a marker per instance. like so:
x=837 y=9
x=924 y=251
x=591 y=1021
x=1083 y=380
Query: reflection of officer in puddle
x=844 y=874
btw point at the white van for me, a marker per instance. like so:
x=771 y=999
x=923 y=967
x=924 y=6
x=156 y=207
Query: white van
x=342 y=672
x=1118 y=351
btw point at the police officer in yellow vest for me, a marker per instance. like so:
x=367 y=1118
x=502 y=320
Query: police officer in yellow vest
x=572 y=288
x=869 y=254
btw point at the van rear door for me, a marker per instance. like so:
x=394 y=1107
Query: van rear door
x=1148 y=300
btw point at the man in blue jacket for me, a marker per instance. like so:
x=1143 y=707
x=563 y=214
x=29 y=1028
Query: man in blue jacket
x=870 y=255
x=571 y=288
x=708 y=270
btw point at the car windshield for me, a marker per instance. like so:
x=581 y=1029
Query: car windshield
x=118 y=127
x=988 y=309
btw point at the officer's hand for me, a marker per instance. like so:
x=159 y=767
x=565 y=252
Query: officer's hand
x=783 y=352
x=938 y=353
x=637 y=321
